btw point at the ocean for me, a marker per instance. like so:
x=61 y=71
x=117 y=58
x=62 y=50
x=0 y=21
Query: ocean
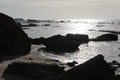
x=92 y=27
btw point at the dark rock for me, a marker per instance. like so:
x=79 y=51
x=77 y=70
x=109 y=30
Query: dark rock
x=81 y=38
x=34 y=70
x=32 y=21
x=117 y=77
x=113 y=32
x=114 y=65
x=106 y=37
x=59 y=43
x=38 y=41
x=53 y=60
x=100 y=25
x=46 y=25
x=72 y=64
x=31 y=24
x=13 y=39
x=62 y=21
x=25 y=28
x=114 y=62
x=30 y=59
x=93 y=69
x=67 y=43
x=27 y=25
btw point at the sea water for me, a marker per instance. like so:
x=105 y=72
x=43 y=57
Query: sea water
x=110 y=50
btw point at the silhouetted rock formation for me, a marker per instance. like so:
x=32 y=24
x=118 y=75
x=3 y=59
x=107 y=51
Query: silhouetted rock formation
x=34 y=70
x=70 y=42
x=60 y=43
x=72 y=64
x=38 y=41
x=93 y=69
x=113 y=32
x=46 y=25
x=115 y=65
x=27 y=25
x=13 y=39
x=106 y=37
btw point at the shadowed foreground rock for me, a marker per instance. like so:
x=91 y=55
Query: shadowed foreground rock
x=34 y=70
x=60 y=43
x=13 y=39
x=93 y=69
x=106 y=37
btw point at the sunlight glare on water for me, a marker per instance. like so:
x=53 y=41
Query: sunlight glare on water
x=80 y=28
x=109 y=50
x=83 y=54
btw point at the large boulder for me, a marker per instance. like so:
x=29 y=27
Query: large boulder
x=93 y=69
x=106 y=37
x=60 y=43
x=36 y=70
x=38 y=41
x=67 y=43
x=81 y=38
x=112 y=32
x=13 y=39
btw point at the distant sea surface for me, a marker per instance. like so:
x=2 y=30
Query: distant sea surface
x=91 y=27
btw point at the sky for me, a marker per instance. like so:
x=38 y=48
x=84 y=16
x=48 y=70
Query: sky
x=61 y=9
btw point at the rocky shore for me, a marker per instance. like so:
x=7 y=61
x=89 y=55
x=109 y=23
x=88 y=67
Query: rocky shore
x=95 y=69
x=16 y=45
x=70 y=42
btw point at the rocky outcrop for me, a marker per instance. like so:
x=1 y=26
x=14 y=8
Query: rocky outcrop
x=113 y=32
x=93 y=69
x=46 y=25
x=27 y=25
x=106 y=37
x=38 y=41
x=72 y=64
x=60 y=43
x=13 y=39
x=70 y=42
x=81 y=38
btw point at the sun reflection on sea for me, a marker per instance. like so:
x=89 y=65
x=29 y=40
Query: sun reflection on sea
x=78 y=28
x=85 y=52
